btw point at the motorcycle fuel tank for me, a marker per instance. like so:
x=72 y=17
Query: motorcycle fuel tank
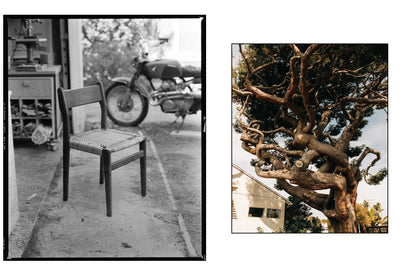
x=163 y=68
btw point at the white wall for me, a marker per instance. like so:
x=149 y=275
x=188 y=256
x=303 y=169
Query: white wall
x=250 y=193
x=186 y=40
x=12 y=184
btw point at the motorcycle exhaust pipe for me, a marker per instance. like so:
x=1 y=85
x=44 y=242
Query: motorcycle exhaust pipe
x=172 y=96
x=154 y=95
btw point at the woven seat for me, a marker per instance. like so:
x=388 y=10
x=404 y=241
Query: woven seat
x=94 y=141
x=102 y=142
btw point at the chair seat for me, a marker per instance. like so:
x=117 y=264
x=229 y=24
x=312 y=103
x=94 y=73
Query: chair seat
x=94 y=141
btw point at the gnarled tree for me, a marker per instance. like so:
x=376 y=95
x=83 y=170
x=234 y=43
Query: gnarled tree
x=300 y=106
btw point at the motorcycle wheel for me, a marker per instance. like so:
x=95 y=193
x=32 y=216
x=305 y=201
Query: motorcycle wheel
x=137 y=106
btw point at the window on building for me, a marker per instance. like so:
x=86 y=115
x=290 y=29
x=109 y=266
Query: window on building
x=273 y=213
x=256 y=212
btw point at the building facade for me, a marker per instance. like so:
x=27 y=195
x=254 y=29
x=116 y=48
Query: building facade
x=256 y=208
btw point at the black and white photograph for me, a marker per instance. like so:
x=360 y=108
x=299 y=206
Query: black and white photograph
x=105 y=137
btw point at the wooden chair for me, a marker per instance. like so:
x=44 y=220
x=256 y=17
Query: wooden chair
x=102 y=142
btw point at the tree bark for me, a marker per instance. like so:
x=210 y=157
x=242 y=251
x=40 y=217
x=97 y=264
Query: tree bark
x=347 y=226
x=292 y=164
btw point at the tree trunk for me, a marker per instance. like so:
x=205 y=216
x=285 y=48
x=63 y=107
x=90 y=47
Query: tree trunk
x=308 y=163
x=343 y=226
x=347 y=226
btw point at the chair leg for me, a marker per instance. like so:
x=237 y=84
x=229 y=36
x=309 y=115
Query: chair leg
x=106 y=155
x=143 y=168
x=101 y=171
x=66 y=159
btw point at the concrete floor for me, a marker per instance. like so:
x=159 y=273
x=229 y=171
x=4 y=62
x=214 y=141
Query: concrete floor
x=141 y=227
x=35 y=169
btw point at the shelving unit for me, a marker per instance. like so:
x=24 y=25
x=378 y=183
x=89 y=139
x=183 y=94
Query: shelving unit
x=27 y=112
x=34 y=102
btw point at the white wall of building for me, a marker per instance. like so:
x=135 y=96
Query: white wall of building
x=186 y=40
x=250 y=193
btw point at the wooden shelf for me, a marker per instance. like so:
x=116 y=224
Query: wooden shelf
x=34 y=93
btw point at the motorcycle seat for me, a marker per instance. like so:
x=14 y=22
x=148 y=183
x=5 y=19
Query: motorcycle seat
x=191 y=71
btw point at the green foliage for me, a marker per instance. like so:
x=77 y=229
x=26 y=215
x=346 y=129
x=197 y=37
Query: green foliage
x=378 y=177
x=331 y=87
x=259 y=54
x=277 y=187
x=109 y=46
x=362 y=214
x=369 y=216
x=237 y=128
x=354 y=151
x=253 y=162
x=298 y=218
x=316 y=225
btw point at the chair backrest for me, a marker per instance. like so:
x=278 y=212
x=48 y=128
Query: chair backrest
x=78 y=97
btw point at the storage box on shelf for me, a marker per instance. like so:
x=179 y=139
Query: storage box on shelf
x=34 y=103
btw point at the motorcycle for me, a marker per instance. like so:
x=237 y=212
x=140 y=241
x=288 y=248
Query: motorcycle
x=164 y=82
